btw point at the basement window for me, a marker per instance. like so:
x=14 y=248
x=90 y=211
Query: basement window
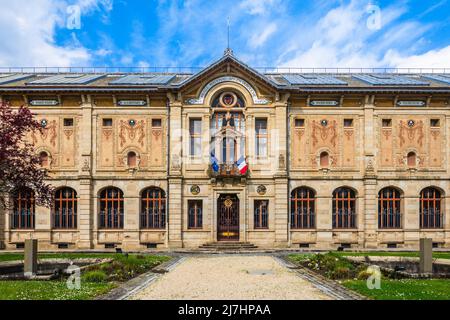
x=392 y=246
x=20 y=245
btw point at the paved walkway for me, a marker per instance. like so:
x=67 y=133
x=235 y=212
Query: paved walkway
x=231 y=277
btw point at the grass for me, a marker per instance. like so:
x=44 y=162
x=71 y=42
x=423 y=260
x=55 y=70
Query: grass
x=406 y=289
x=4 y=257
x=436 y=255
x=96 y=280
x=50 y=290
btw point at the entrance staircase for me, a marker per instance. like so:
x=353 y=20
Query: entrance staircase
x=228 y=246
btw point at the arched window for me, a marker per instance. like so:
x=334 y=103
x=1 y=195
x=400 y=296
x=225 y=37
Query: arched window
x=324 y=160
x=132 y=159
x=111 y=209
x=411 y=159
x=153 y=209
x=344 y=208
x=65 y=209
x=303 y=208
x=389 y=209
x=431 y=216
x=43 y=159
x=23 y=216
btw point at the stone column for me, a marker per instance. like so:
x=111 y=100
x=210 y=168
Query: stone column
x=370 y=218
x=279 y=139
x=426 y=256
x=30 y=258
x=85 y=201
x=175 y=180
x=281 y=212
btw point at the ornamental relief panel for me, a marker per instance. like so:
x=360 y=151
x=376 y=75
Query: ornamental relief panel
x=407 y=136
x=131 y=134
x=324 y=134
x=59 y=141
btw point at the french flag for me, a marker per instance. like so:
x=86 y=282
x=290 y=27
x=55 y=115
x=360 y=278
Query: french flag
x=214 y=163
x=242 y=165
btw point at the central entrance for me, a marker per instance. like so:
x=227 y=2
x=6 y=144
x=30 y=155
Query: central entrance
x=228 y=218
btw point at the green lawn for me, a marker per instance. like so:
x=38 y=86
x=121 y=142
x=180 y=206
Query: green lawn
x=436 y=255
x=50 y=290
x=97 y=280
x=407 y=289
x=19 y=256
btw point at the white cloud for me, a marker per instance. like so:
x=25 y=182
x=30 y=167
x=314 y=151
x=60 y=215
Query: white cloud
x=258 y=39
x=28 y=30
x=439 y=58
x=259 y=7
x=341 y=38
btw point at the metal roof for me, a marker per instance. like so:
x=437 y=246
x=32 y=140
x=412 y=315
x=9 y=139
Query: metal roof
x=66 y=79
x=8 y=78
x=389 y=80
x=438 y=77
x=312 y=79
x=159 y=79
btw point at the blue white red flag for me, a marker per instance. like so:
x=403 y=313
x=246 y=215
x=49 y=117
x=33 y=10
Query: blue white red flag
x=242 y=165
x=214 y=163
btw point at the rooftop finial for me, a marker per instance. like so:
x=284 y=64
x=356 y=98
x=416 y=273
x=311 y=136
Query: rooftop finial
x=228 y=51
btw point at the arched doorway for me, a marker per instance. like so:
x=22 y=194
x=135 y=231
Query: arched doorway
x=228 y=218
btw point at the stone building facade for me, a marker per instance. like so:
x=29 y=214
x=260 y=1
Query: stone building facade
x=159 y=160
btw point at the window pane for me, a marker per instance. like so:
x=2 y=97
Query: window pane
x=261 y=126
x=195 y=126
x=261 y=146
x=196 y=146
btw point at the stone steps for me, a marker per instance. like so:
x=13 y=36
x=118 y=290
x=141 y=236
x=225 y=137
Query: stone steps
x=224 y=246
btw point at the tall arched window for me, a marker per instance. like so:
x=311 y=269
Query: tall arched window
x=411 y=159
x=65 y=209
x=431 y=216
x=153 y=209
x=23 y=216
x=303 y=208
x=111 y=209
x=132 y=159
x=344 y=208
x=324 y=160
x=389 y=209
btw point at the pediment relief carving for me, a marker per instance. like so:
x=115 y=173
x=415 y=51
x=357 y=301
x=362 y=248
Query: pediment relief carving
x=231 y=79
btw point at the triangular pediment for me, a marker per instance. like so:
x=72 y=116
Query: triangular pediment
x=229 y=69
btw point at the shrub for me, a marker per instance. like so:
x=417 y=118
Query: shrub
x=95 y=276
x=364 y=275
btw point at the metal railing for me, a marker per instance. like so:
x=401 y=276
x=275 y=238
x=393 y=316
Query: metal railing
x=193 y=70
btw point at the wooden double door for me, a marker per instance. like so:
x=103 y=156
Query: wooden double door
x=228 y=218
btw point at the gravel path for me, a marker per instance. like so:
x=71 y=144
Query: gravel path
x=231 y=278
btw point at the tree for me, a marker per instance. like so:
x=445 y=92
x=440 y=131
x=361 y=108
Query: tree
x=19 y=164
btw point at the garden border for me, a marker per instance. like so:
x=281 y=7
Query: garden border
x=327 y=286
x=133 y=286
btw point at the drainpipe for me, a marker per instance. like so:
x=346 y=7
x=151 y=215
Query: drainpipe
x=288 y=167
x=168 y=170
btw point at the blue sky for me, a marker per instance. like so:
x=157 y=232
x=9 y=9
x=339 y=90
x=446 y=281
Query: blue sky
x=275 y=33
